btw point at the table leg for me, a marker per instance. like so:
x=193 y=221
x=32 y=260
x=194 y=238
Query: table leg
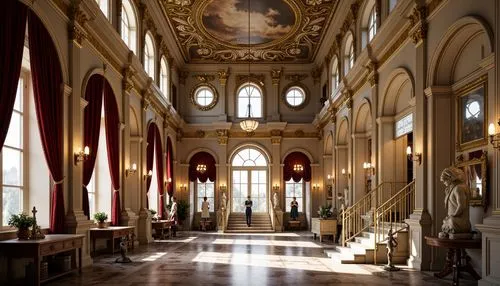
x=112 y=245
x=93 y=246
x=448 y=266
x=9 y=268
x=314 y=236
x=37 y=269
x=80 y=260
x=456 y=267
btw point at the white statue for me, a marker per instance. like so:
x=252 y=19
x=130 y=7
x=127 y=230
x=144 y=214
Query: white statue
x=276 y=201
x=456 y=224
x=223 y=201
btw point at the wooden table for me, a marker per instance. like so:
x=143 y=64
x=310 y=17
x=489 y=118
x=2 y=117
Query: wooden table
x=294 y=224
x=205 y=223
x=160 y=226
x=111 y=233
x=457 y=259
x=324 y=227
x=52 y=244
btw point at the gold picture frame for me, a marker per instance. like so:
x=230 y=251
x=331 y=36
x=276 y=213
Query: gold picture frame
x=476 y=173
x=472 y=114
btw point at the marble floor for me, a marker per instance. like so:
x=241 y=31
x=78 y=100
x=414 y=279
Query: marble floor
x=197 y=258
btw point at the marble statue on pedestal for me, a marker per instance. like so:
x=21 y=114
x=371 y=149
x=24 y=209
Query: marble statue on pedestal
x=456 y=224
x=276 y=201
x=223 y=201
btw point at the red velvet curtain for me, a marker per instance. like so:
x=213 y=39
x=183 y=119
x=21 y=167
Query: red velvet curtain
x=170 y=168
x=12 y=31
x=149 y=156
x=112 y=121
x=91 y=128
x=47 y=89
x=205 y=159
x=159 y=171
x=297 y=158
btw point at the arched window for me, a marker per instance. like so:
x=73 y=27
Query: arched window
x=149 y=55
x=335 y=75
x=372 y=24
x=164 y=77
x=249 y=178
x=249 y=100
x=104 y=6
x=129 y=26
x=349 y=54
x=392 y=4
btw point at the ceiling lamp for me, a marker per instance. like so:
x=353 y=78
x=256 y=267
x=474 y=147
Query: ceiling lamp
x=201 y=168
x=298 y=168
x=249 y=124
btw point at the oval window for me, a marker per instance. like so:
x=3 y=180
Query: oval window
x=295 y=96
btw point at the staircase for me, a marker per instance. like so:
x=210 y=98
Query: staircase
x=261 y=222
x=366 y=224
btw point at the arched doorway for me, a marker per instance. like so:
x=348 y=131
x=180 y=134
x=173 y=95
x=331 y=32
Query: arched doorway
x=249 y=177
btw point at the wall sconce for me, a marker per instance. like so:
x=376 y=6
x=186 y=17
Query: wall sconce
x=417 y=157
x=148 y=175
x=168 y=181
x=345 y=174
x=330 y=179
x=82 y=155
x=201 y=168
x=276 y=187
x=315 y=187
x=370 y=170
x=494 y=137
x=223 y=188
x=298 y=168
x=131 y=170
x=183 y=187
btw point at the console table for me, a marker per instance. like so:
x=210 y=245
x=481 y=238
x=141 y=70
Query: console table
x=112 y=232
x=160 y=226
x=52 y=244
x=457 y=259
x=323 y=227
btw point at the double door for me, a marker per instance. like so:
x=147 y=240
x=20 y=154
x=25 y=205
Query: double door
x=253 y=183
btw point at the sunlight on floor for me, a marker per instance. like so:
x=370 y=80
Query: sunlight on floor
x=282 y=234
x=279 y=261
x=154 y=257
x=186 y=240
x=284 y=243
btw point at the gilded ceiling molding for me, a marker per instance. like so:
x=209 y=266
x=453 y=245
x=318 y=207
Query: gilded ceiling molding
x=296 y=77
x=127 y=74
x=418 y=24
x=61 y=4
x=204 y=77
x=300 y=41
x=222 y=136
x=78 y=19
x=223 y=76
x=372 y=73
x=200 y=133
x=146 y=100
x=333 y=113
x=276 y=76
x=299 y=133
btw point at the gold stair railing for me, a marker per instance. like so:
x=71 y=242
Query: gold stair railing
x=356 y=218
x=392 y=214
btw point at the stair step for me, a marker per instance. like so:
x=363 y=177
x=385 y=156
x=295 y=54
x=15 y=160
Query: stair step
x=249 y=231
x=347 y=258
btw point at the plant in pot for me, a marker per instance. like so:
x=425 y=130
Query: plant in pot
x=153 y=214
x=325 y=211
x=22 y=222
x=182 y=210
x=101 y=218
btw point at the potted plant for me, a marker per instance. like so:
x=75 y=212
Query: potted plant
x=325 y=211
x=22 y=222
x=101 y=218
x=153 y=214
x=182 y=210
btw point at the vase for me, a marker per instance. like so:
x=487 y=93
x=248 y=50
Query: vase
x=23 y=233
x=101 y=224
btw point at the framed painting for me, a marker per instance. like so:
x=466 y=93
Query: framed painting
x=476 y=173
x=472 y=115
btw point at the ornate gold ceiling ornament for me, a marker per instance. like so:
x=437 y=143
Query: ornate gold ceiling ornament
x=299 y=133
x=200 y=133
x=418 y=24
x=204 y=77
x=276 y=75
x=296 y=77
x=223 y=76
x=298 y=43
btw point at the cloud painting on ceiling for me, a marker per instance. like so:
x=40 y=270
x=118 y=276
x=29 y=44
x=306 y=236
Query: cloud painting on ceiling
x=228 y=21
x=217 y=30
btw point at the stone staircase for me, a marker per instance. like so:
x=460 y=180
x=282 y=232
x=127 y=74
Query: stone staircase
x=261 y=222
x=362 y=249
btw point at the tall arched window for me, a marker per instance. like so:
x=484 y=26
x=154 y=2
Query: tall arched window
x=164 y=77
x=249 y=178
x=249 y=100
x=129 y=25
x=335 y=75
x=104 y=6
x=372 y=24
x=149 y=55
x=349 y=54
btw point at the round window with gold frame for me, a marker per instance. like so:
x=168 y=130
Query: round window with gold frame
x=295 y=96
x=204 y=96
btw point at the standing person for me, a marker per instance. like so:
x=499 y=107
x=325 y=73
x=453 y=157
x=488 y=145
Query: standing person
x=248 y=211
x=173 y=216
x=205 y=215
x=294 y=212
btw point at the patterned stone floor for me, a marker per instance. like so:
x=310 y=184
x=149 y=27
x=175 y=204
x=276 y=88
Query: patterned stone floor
x=196 y=258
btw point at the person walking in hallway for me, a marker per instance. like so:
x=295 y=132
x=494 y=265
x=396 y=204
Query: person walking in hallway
x=248 y=211
x=173 y=216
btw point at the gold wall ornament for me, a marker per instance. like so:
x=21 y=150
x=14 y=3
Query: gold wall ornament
x=299 y=133
x=200 y=133
x=222 y=136
x=127 y=74
x=276 y=132
x=223 y=76
x=296 y=77
x=204 y=77
x=276 y=75
x=202 y=85
x=255 y=78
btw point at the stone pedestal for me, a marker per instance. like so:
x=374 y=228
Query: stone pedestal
x=129 y=218
x=144 y=227
x=490 y=231
x=77 y=223
x=420 y=253
x=221 y=220
x=278 y=220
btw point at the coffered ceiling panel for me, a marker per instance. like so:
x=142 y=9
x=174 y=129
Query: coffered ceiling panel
x=217 y=30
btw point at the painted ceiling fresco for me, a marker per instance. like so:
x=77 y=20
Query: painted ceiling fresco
x=218 y=30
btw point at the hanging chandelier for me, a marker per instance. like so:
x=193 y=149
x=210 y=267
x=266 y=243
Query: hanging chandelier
x=201 y=168
x=249 y=124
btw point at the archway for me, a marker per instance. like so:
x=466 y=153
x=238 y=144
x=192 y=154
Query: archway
x=362 y=151
x=249 y=177
x=342 y=171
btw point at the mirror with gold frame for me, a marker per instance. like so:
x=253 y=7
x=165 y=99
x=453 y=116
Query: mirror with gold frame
x=476 y=179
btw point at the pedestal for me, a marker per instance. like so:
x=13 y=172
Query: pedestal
x=419 y=226
x=129 y=218
x=77 y=223
x=490 y=231
x=144 y=227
